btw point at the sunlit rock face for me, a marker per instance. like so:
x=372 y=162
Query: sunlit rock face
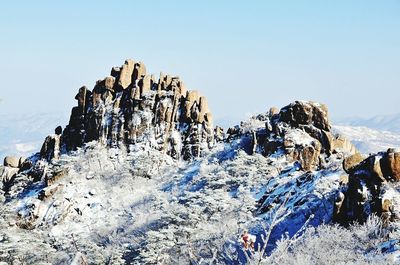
x=131 y=106
x=370 y=189
x=301 y=131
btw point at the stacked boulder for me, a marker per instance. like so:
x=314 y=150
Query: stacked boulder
x=130 y=107
x=368 y=189
x=300 y=130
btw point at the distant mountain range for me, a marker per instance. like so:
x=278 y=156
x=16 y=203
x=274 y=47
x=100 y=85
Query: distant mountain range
x=369 y=140
x=382 y=122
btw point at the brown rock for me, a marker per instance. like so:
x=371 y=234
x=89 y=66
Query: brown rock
x=352 y=161
x=341 y=144
x=182 y=88
x=192 y=96
x=390 y=164
x=53 y=177
x=47 y=193
x=343 y=179
x=11 y=161
x=51 y=147
x=306 y=113
x=145 y=84
x=203 y=109
x=109 y=82
x=273 y=111
x=387 y=205
x=139 y=71
x=125 y=78
x=309 y=157
x=82 y=97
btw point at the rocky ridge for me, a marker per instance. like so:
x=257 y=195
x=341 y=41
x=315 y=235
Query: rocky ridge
x=131 y=106
x=301 y=131
x=133 y=133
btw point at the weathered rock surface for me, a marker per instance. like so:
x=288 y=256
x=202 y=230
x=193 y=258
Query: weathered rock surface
x=301 y=131
x=51 y=147
x=306 y=113
x=130 y=107
x=368 y=183
x=351 y=161
x=11 y=161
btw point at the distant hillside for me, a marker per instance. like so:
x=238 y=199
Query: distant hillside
x=382 y=122
x=368 y=140
x=23 y=134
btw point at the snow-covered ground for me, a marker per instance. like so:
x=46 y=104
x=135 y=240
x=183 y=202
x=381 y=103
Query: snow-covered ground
x=145 y=207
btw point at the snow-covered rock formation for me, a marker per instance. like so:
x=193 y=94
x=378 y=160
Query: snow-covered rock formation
x=372 y=188
x=130 y=106
x=140 y=176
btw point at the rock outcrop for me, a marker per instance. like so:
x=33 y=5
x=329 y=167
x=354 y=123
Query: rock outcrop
x=368 y=188
x=130 y=107
x=11 y=161
x=300 y=130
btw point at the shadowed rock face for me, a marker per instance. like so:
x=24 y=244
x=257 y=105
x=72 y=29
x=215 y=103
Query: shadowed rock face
x=130 y=106
x=368 y=183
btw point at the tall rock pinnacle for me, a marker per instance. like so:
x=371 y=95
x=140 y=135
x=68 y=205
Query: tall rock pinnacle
x=130 y=107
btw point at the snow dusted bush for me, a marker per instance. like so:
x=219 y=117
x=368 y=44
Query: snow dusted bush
x=144 y=207
x=333 y=244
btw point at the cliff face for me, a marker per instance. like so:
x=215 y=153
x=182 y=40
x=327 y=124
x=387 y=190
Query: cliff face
x=130 y=107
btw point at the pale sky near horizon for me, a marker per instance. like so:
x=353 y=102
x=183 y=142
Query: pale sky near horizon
x=245 y=56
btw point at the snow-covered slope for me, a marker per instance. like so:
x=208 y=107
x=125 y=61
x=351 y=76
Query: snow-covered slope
x=148 y=208
x=141 y=176
x=368 y=140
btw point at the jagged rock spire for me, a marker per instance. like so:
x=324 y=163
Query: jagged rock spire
x=130 y=107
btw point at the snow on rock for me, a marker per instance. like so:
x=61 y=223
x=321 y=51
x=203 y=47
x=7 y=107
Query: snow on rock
x=130 y=107
x=137 y=177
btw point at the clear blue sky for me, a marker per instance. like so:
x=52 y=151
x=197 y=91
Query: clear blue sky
x=245 y=56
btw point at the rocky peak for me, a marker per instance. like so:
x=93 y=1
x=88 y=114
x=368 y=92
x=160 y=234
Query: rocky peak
x=300 y=130
x=306 y=113
x=130 y=107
